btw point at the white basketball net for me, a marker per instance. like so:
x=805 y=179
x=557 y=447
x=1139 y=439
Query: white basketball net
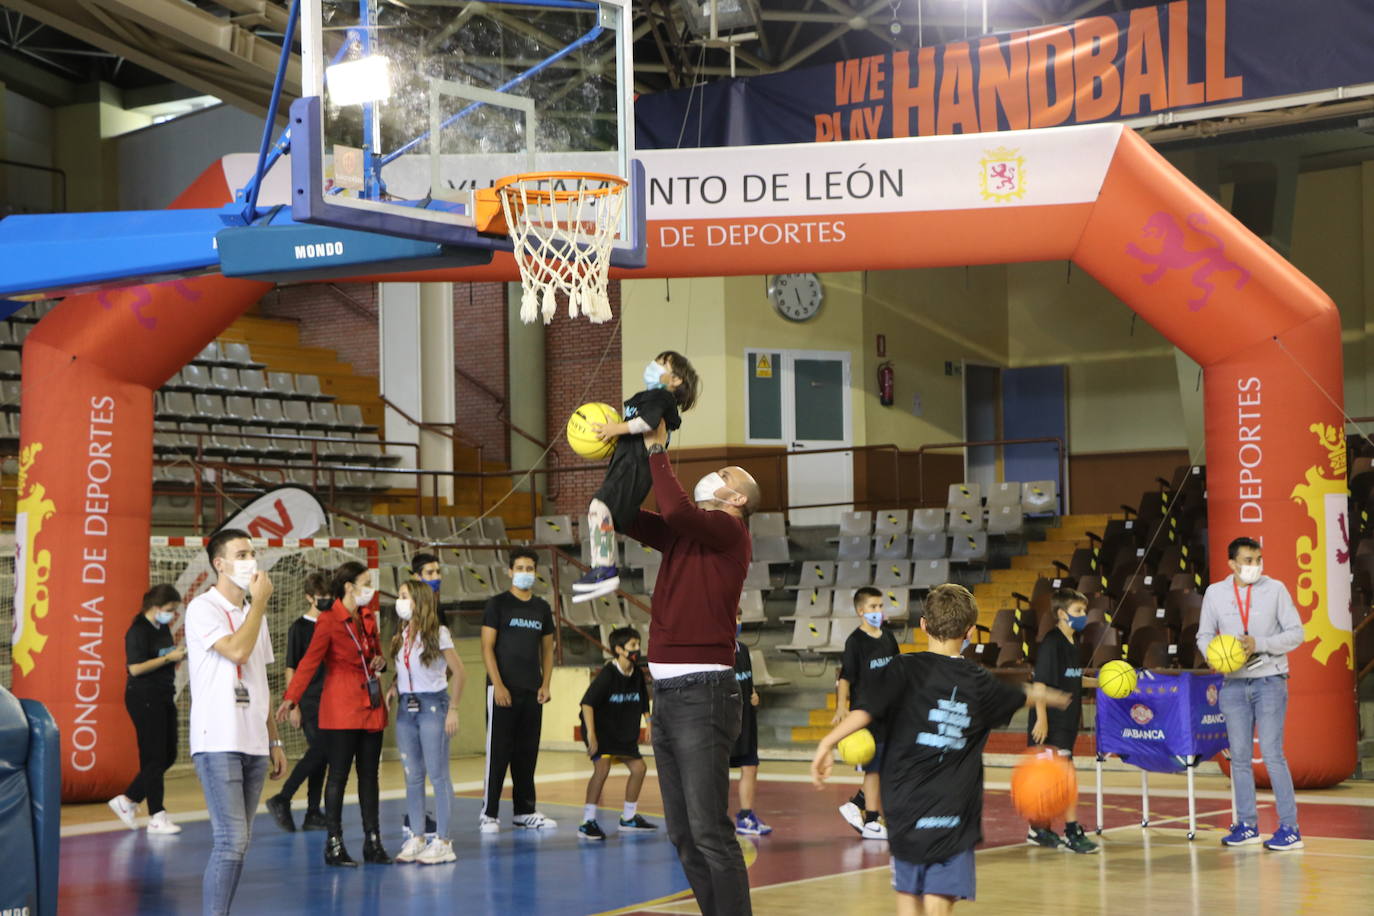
x=563 y=227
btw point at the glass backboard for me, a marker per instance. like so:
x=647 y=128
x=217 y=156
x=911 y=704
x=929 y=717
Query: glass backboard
x=410 y=107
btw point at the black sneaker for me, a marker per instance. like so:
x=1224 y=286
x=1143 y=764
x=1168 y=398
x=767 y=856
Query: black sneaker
x=1043 y=837
x=591 y=830
x=637 y=823
x=314 y=820
x=280 y=809
x=1075 y=840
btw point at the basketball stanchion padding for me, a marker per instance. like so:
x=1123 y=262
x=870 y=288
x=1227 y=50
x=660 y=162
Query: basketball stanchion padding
x=581 y=435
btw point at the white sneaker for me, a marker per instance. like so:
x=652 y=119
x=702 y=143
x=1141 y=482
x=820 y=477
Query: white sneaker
x=411 y=850
x=126 y=810
x=438 y=852
x=488 y=824
x=535 y=821
x=875 y=830
x=853 y=816
x=161 y=823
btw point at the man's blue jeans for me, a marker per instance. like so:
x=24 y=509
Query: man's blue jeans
x=1250 y=704
x=233 y=784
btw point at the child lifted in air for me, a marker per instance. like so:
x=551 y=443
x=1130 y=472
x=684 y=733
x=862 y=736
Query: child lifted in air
x=670 y=387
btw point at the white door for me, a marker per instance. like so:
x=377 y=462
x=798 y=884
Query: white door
x=801 y=399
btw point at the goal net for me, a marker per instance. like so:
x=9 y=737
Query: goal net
x=181 y=562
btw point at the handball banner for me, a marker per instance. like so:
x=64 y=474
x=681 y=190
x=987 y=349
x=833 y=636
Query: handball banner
x=1171 y=57
x=1168 y=719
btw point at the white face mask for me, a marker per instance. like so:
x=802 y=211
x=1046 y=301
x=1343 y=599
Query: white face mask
x=404 y=608
x=708 y=486
x=243 y=572
x=1249 y=575
x=363 y=595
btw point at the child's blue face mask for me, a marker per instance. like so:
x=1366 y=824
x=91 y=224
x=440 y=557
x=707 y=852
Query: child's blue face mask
x=874 y=618
x=523 y=580
x=653 y=375
x=434 y=584
x=1078 y=623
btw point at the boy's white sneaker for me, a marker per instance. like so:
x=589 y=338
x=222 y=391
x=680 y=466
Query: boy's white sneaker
x=488 y=824
x=411 y=850
x=125 y=810
x=875 y=830
x=853 y=816
x=161 y=823
x=438 y=852
x=535 y=821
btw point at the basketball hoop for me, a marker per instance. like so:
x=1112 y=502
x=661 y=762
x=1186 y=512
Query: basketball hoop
x=563 y=225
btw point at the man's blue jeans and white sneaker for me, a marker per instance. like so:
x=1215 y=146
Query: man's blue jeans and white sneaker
x=233 y=785
x=1251 y=704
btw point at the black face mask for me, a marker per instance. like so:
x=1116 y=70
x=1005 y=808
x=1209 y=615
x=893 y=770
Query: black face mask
x=633 y=657
x=323 y=604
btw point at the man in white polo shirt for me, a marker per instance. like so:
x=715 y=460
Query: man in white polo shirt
x=233 y=735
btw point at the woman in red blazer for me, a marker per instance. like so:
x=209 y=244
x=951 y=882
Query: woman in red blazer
x=352 y=714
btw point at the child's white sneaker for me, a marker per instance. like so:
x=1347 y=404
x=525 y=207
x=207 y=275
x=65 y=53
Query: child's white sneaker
x=161 y=823
x=535 y=821
x=875 y=830
x=488 y=824
x=126 y=810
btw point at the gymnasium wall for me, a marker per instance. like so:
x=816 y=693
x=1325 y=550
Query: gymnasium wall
x=28 y=137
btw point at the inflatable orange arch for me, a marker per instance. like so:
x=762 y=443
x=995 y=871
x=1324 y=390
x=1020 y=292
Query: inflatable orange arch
x=1267 y=337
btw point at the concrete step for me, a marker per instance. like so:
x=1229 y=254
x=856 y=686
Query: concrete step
x=1031 y=563
x=1054 y=550
x=1020 y=579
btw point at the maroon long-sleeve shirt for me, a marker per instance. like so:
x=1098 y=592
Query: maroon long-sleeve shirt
x=705 y=560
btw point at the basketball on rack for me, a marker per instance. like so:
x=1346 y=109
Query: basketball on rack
x=1117 y=679
x=583 y=438
x=1043 y=786
x=1225 y=653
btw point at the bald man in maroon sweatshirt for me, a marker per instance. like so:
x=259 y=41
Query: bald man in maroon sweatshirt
x=706 y=549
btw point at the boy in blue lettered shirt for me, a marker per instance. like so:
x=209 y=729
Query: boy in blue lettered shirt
x=939 y=708
x=613 y=707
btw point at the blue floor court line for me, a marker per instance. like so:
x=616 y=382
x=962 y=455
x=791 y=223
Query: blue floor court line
x=513 y=872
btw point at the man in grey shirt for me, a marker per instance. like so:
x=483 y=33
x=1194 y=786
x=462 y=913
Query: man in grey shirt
x=1260 y=613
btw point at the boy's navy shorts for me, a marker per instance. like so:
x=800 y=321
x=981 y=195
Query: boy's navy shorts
x=951 y=878
x=876 y=764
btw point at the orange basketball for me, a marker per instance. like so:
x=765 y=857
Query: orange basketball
x=1043 y=785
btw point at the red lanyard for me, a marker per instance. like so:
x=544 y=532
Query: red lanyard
x=238 y=669
x=405 y=649
x=367 y=672
x=1243 y=608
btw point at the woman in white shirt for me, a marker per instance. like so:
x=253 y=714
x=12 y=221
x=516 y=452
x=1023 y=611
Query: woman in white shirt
x=427 y=716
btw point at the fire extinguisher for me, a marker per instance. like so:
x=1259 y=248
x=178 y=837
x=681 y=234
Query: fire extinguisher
x=886 y=383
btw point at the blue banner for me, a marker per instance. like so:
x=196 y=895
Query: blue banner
x=1167 y=721
x=1171 y=57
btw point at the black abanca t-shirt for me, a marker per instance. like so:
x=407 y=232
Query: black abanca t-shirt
x=143 y=642
x=864 y=656
x=520 y=630
x=1059 y=665
x=619 y=701
x=938 y=711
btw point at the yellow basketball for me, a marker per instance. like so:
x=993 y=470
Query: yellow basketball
x=581 y=436
x=1225 y=653
x=858 y=748
x=1117 y=679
